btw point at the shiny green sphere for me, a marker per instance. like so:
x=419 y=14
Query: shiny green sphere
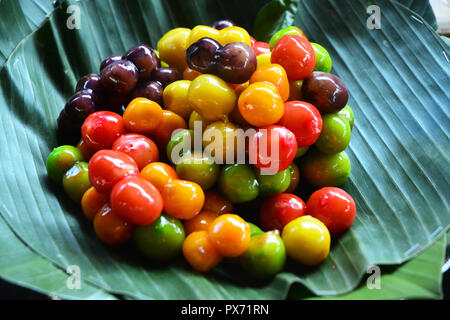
x=254 y=229
x=162 y=240
x=335 y=135
x=301 y=152
x=238 y=183
x=281 y=33
x=323 y=59
x=60 y=160
x=326 y=170
x=347 y=114
x=265 y=256
x=76 y=181
x=180 y=143
x=272 y=184
x=198 y=168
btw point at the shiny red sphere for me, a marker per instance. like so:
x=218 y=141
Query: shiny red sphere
x=296 y=55
x=139 y=147
x=136 y=200
x=261 y=47
x=334 y=207
x=101 y=129
x=279 y=210
x=272 y=149
x=107 y=167
x=304 y=120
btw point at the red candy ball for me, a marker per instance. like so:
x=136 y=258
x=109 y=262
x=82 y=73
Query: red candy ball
x=272 y=149
x=260 y=47
x=334 y=207
x=101 y=129
x=304 y=120
x=107 y=167
x=279 y=210
x=296 y=55
x=139 y=147
x=136 y=200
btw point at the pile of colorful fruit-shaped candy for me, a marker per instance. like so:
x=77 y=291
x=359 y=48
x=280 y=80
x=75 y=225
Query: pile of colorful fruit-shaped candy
x=168 y=140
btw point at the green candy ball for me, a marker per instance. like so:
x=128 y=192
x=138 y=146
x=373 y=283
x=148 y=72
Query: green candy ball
x=292 y=30
x=265 y=256
x=238 y=183
x=326 y=170
x=60 y=160
x=270 y=185
x=160 y=241
x=347 y=114
x=183 y=141
x=254 y=229
x=76 y=181
x=323 y=59
x=335 y=135
x=198 y=168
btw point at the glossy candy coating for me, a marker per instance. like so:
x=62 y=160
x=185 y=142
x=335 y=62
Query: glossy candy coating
x=230 y=234
x=221 y=24
x=136 y=200
x=201 y=31
x=272 y=149
x=323 y=59
x=237 y=182
x=235 y=62
x=325 y=91
x=279 y=210
x=139 y=147
x=303 y=120
x=274 y=74
x=335 y=135
x=165 y=76
x=265 y=256
x=76 y=181
x=211 y=97
x=60 y=160
x=109 y=60
x=200 y=252
x=254 y=229
x=198 y=168
x=215 y=202
x=172 y=46
x=200 y=222
x=180 y=143
x=326 y=170
x=142 y=116
x=151 y=90
x=144 y=58
x=234 y=34
x=101 y=129
x=284 y=32
x=189 y=74
x=110 y=228
x=347 y=114
x=169 y=123
x=295 y=90
x=91 y=202
x=296 y=55
x=80 y=106
x=160 y=241
x=159 y=174
x=334 y=207
x=175 y=98
x=200 y=55
x=91 y=81
x=261 y=104
x=273 y=184
x=220 y=141
x=263 y=59
x=120 y=77
x=260 y=47
x=182 y=199
x=85 y=150
x=107 y=167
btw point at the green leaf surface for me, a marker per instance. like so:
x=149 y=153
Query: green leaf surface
x=419 y=278
x=398 y=81
x=21 y=266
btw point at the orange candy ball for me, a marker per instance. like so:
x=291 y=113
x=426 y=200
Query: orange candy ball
x=110 y=228
x=159 y=174
x=200 y=222
x=261 y=105
x=170 y=122
x=142 y=116
x=182 y=199
x=230 y=234
x=91 y=202
x=200 y=252
x=275 y=74
x=215 y=202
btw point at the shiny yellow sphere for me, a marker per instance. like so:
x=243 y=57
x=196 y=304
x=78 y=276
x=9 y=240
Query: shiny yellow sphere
x=307 y=240
x=175 y=98
x=196 y=117
x=234 y=34
x=220 y=141
x=211 y=97
x=201 y=31
x=263 y=59
x=171 y=48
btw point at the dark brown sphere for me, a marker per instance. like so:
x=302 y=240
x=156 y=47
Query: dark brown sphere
x=200 y=55
x=235 y=62
x=144 y=58
x=151 y=90
x=80 y=105
x=109 y=60
x=325 y=91
x=120 y=77
x=165 y=76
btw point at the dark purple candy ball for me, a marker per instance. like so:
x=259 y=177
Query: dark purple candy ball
x=110 y=60
x=221 y=24
x=144 y=58
x=120 y=77
x=165 y=76
x=200 y=55
x=235 y=62
x=151 y=90
x=80 y=105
